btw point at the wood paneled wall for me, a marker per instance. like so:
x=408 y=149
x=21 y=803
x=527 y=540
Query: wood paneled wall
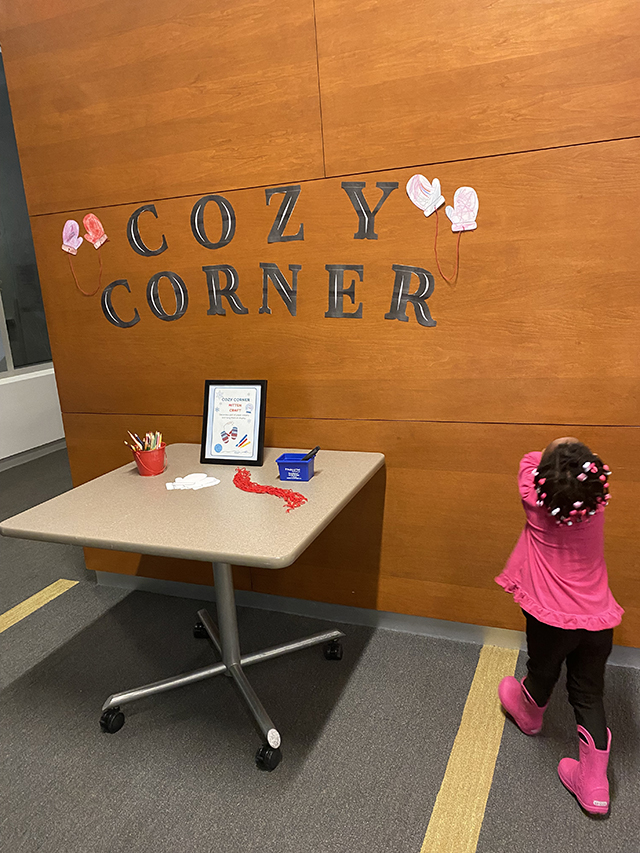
x=535 y=106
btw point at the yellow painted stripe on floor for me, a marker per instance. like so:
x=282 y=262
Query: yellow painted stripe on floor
x=30 y=605
x=458 y=812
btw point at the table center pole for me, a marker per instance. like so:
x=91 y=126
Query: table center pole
x=226 y=608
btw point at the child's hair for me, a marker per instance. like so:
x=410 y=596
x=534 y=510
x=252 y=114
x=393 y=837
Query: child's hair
x=572 y=482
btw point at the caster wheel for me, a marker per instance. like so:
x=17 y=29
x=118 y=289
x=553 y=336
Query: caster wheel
x=333 y=650
x=268 y=758
x=112 y=720
x=199 y=631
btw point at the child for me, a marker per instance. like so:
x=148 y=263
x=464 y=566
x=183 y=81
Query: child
x=558 y=575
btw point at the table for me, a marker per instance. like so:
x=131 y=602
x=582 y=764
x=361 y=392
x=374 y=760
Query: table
x=220 y=524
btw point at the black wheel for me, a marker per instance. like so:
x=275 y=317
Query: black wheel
x=333 y=650
x=268 y=758
x=199 y=631
x=112 y=720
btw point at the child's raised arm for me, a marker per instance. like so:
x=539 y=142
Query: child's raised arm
x=526 y=481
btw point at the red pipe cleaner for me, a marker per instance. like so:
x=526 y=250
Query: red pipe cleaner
x=84 y=292
x=454 y=277
x=242 y=480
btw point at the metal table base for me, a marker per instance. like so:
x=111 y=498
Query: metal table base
x=227 y=644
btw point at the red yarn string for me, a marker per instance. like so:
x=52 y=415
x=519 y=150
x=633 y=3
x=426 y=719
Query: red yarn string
x=435 y=249
x=242 y=480
x=84 y=292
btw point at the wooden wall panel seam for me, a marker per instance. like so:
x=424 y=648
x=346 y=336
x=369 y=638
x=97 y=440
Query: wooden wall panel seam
x=326 y=176
x=466 y=422
x=492 y=156
x=315 y=32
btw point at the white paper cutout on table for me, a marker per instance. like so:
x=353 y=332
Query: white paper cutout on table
x=464 y=211
x=193 y=481
x=424 y=195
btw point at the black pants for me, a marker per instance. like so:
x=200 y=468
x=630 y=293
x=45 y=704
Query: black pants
x=586 y=654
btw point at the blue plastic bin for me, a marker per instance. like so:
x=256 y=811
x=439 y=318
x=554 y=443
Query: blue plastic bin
x=292 y=466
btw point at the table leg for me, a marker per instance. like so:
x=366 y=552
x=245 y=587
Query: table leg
x=228 y=624
x=117 y=699
x=209 y=625
x=227 y=643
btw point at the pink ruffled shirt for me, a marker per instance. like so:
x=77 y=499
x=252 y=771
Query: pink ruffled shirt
x=558 y=573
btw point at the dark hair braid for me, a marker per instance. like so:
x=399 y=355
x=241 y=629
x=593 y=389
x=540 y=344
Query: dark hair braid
x=571 y=482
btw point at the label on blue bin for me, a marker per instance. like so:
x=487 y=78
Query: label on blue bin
x=292 y=473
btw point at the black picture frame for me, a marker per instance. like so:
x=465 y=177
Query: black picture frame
x=233 y=408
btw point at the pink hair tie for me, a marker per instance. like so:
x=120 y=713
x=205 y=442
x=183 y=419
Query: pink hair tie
x=582 y=477
x=542 y=480
x=602 y=477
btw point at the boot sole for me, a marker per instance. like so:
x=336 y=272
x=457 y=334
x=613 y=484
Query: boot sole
x=587 y=812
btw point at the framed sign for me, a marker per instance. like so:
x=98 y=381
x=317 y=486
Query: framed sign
x=233 y=422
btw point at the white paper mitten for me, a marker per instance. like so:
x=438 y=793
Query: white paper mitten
x=464 y=211
x=424 y=195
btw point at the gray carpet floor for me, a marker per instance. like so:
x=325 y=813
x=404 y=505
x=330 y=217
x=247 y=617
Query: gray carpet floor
x=365 y=740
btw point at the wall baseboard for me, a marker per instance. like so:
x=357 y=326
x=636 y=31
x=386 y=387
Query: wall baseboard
x=420 y=625
x=32 y=453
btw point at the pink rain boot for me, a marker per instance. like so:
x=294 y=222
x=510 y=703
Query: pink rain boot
x=587 y=778
x=520 y=706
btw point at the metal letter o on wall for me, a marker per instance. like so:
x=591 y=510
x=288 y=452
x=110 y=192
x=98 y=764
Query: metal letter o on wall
x=228 y=221
x=179 y=291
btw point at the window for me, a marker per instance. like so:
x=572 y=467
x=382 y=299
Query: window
x=23 y=330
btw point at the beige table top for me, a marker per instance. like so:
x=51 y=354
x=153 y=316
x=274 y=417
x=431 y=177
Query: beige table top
x=123 y=511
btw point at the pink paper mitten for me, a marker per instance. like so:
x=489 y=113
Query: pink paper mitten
x=95 y=232
x=71 y=239
x=424 y=195
x=464 y=211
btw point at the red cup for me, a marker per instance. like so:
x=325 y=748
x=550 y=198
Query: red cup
x=151 y=462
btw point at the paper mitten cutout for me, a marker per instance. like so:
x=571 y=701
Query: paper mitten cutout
x=95 y=232
x=464 y=211
x=424 y=195
x=71 y=238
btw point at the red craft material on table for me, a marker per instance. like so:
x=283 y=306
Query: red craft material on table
x=242 y=480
